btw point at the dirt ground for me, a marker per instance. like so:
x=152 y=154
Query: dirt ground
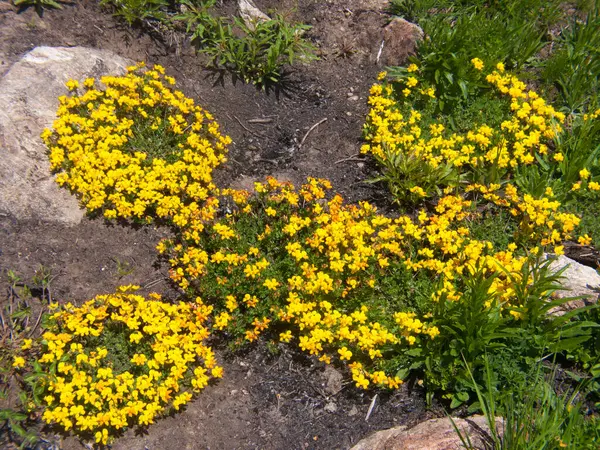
x=266 y=400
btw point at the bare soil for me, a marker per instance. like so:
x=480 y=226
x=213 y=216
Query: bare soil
x=267 y=399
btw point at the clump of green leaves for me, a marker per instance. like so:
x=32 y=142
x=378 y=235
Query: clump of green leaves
x=573 y=68
x=254 y=52
x=511 y=32
x=136 y=11
x=20 y=389
x=474 y=332
x=534 y=414
x=39 y=5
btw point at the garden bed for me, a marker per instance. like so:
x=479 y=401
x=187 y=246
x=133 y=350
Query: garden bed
x=310 y=124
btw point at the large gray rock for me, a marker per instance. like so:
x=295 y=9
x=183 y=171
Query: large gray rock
x=434 y=434
x=576 y=280
x=400 y=40
x=29 y=94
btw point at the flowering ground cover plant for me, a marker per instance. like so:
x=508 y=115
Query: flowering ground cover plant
x=419 y=295
x=121 y=360
x=136 y=149
x=401 y=129
x=382 y=295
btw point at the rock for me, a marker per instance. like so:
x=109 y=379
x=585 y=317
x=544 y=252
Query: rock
x=333 y=380
x=434 y=434
x=250 y=14
x=29 y=94
x=577 y=280
x=400 y=39
x=330 y=407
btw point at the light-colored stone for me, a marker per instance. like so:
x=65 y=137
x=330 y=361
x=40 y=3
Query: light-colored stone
x=577 y=280
x=400 y=39
x=332 y=380
x=251 y=14
x=29 y=94
x=434 y=434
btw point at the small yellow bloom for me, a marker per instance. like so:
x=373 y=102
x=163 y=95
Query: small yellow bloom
x=285 y=337
x=271 y=284
x=584 y=240
x=18 y=362
x=477 y=63
x=584 y=174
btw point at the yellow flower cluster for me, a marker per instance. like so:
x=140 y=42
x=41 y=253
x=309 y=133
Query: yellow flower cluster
x=394 y=126
x=136 y=149
x=318 y=268
x=120 y=360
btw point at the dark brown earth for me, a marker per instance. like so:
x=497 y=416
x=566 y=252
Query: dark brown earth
x=267 y=400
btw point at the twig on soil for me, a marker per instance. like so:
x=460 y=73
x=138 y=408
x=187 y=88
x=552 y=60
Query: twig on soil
x=37 y=322
x=267 y=160
x=153 y=283
x=265 y=120
x=310 y=131
x=371 y=408
x=379 y=52
x=246 y=128
x=350 y=158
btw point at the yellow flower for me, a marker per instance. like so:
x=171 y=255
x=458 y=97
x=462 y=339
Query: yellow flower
x=286 y=336
x=345 y=354
x=477 y=63
x=27 y=343
x=72 y=85
x=584 y=174
x=18 y=362
x=584 y=240
x=271 y=284
x=412 y=68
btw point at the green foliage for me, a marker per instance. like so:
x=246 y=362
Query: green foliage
x=534 y=414
x=259 y=53
x=574 y=66
x=511 y=32
x=136 y=11
x=405 y=171
x=39 y=5
x=255 y=53
x=474 y=327
x=20 y=388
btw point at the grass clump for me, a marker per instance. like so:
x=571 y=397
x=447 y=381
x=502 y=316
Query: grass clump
x=137 y=149
x=535 y=415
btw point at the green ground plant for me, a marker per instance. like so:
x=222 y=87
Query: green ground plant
x=572 y=68
x=253 y=52
x=534 y=415
x=39 y=5
x=454 y=294
x=261 y=52
x=511 y=32
x=20 y=389
x=135 y=12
